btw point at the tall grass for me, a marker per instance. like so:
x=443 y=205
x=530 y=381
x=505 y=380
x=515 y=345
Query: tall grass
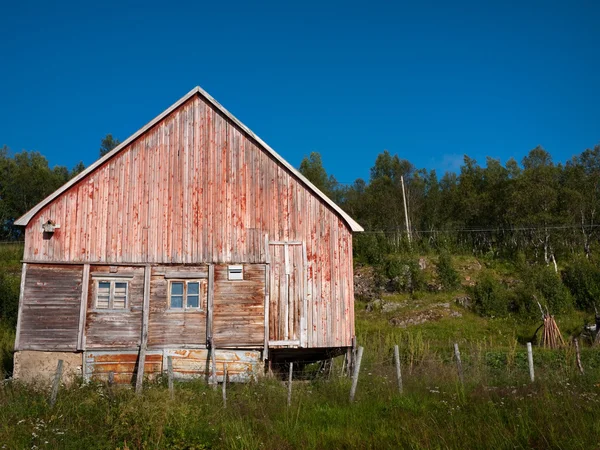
x=434 y=412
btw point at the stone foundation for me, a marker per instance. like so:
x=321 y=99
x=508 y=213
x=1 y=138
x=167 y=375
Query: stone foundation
x=37 y=367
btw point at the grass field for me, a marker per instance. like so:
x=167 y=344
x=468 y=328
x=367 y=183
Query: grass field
x=498 y=406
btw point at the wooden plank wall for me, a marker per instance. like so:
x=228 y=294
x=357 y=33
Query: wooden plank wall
x=195 y=188
x=239 y=308
x=175 y=329
x=50 y=311
x=119 y=329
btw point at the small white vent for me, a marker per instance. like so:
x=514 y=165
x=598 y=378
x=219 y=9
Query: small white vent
x=235 y=272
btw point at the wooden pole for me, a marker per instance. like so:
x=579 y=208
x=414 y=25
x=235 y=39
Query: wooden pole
x=356 y=372
x=530 y=360
x=289 y=399
x=459 y=364
x=144 y=340
x=170 y=375
x=398 y=372
x=213 y=376
x=579 y=366
x=408 y=233
x=56 y=382
x=344 y=364
x=225 y=385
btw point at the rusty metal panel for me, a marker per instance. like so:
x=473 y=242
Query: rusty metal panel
x=98 y=364
x=50 y=308
x=242 y=365
x=196 y=189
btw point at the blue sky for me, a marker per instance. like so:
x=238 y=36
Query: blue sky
x=430 y=81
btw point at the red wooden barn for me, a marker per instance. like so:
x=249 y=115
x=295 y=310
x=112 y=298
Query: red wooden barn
x=192 y=239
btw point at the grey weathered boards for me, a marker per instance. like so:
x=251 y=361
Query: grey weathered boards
x=221 y=221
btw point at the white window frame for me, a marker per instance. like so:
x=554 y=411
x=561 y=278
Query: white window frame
x=185 y=282
x=235 y=272
x=111 y=293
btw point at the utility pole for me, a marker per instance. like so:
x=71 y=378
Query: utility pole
x=406 y=212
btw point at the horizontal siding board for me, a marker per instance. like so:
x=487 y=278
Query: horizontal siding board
x=50 y=311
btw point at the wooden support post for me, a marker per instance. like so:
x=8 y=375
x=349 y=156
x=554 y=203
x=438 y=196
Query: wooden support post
x=344 y=365
x=579 y=366
x=530 y=360
x=111 y=378
x=398 y=372
x=56 y=382
x=459 y=364
x=213 y=370
x=144 y=339
x=20 y=311
x=170 y=375
x=289 y=399
x=83 y=307
x=356 y=372
x=225 y=385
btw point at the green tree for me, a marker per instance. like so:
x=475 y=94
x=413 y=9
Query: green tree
x=107 y=144
x=312 y=168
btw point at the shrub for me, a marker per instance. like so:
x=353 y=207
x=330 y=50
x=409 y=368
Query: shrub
x=404 y=273
x=446 y=273
x=490 y=297
x=582 y=278
x=541 y=283
x=9 y=297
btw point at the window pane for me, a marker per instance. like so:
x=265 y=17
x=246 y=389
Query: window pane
x=119 y=302
x=177 y=288
x=102 y=302
x=103 y=287
x=176 y=301
x=120 y=288
x=192 y=301
x=193 y=288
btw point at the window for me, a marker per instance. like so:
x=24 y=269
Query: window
x=111 y=294
x=186 y=294
x=235 y=272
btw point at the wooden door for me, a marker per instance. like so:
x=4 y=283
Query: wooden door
x=287 y=299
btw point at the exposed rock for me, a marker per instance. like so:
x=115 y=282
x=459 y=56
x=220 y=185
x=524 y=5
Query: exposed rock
x=464 y=301
x=383 y=306
x=366 y=283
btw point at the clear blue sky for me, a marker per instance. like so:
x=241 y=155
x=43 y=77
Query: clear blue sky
x=429 y=81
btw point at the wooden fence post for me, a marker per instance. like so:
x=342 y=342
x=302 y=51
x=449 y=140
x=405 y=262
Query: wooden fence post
x=289 y=399
x=530 y=360
x=170 y=375
x=356 y=372
x=459 y=364
x=398 y=372
x=225 y=385
x=579 y=366
x=56 y=382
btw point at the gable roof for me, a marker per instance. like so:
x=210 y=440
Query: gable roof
x=24 y=220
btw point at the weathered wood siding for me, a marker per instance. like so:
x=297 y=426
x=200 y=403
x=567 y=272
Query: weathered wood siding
x=239 y=308
x=115 y=329
x=242 y=365
x=50 y=312
x=195 y=188
x=175 y=329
